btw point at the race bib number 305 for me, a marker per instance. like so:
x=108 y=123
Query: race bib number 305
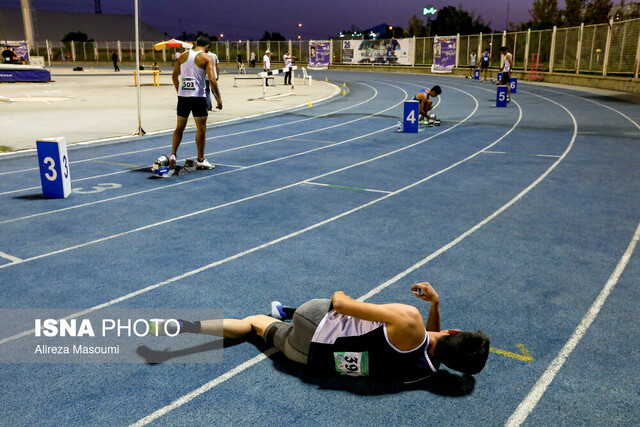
x=188 y=83
x=351 y=363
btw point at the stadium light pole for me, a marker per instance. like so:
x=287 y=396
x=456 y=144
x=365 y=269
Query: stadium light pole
x=140 y=131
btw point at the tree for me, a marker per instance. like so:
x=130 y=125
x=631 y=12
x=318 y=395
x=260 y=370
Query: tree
x=452 y=20
x=77 y=36
x=573 y=12
x=202 y=33
x=274 y=37
x=597 y=12
x=415 y=27
x=545 y=14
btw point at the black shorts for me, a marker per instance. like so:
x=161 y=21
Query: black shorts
x=505 y=78
x=484 y=65
x=192 y=104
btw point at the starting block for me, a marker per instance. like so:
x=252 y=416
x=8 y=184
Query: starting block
x=54 y=167
x=499 y=77
x=476 y=74
x=513 y=83
x=411 y=116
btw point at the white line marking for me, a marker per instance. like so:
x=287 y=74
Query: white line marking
x=522 y=154
x=204 y=388
x=375 y=94
x=529 y=403
x=273 y=242
x=210 y=176
x=209 y=127
x=346 y=187
x=113 y=236
x=230 y=166
x=10 y=257
x=195 y=393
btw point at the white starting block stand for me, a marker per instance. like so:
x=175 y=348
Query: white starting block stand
x=54 y=167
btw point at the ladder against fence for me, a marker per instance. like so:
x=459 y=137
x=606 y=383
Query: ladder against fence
x=536 y=72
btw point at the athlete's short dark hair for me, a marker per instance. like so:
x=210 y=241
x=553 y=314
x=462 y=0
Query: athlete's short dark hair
x=464 y=352
x=203 y=41
x=503 y=49
x=437 y=89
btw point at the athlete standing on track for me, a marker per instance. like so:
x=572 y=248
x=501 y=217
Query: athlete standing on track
x=349 y=337
x=506 y=68
x=484 y=64
x=189 y=74
x=424 y=96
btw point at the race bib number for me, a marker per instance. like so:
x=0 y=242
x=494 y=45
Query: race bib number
x=351 y=363
x=188 y=83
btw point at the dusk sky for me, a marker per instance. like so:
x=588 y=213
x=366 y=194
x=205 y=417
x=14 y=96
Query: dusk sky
x=242 y=19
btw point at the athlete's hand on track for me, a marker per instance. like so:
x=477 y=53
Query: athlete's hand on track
x=425 y=292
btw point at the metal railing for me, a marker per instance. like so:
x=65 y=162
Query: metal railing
x=603 y=49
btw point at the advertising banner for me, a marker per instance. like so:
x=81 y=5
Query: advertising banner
x=319 y=54
x=369 y=52
x=444 y=54
x=20 y=47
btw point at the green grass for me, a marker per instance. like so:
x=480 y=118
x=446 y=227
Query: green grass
x=4 y=148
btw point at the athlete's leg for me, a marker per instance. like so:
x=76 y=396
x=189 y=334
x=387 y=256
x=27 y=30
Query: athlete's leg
x=177 y=134
x=422 y=98
x=237 y=328
x=294 y=339
x=201 y=131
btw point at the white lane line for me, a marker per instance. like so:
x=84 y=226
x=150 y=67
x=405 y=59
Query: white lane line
x=209 y=127
x=375 y=94
x=531 y=400
x=633 y=122
x=164 y=410
x=522 y=154
x=273 y=242
x=113 y=236
x=192 y=395
x=346 y=187
x=204 y=388
x=10 y=257
x=529 y=403
x=177 y=218
x=210 y=176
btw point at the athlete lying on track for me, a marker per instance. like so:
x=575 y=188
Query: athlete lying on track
x=349 y=337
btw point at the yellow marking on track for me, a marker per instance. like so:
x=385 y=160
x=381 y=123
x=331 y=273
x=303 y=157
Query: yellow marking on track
x=119 y=164
x=524 y=357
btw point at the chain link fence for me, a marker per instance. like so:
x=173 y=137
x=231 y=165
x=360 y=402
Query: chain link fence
x=612 y=49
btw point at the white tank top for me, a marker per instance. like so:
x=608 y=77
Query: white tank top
x=192 y=77
x=507 y=63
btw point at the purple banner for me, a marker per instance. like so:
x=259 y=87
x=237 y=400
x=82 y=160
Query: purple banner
x=319 y=55
x=444 y=54
x=21 y=48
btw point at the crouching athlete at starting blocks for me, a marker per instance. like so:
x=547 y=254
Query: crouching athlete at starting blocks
x=348 y=337
x=424 y=97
